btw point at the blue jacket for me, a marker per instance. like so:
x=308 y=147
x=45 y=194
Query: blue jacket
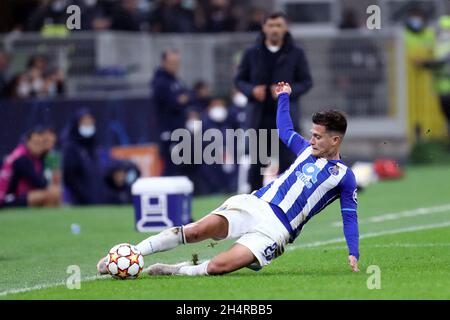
x=81 y=165
x=165 y=90
x=256 y=68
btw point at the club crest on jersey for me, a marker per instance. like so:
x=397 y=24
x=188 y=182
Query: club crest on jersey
x=334 y=170
x=308 y=175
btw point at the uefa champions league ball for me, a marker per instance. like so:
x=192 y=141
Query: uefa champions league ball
x=124 y=261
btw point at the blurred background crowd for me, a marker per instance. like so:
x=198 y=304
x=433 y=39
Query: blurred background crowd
x=86 y=112
x=185 y=16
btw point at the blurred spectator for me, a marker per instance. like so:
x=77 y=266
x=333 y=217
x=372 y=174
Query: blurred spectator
x=4 y=69
x=219 y=177
x=440 y=64
x=50 y=157
x=81 y=164
x=357 y=68
x=127 y=16
x=200 y=96
x=22 y=181
x=53 y=83
x=191 y=169
x=237 y=108
x=419 y=41
x=37 y=66
x=119 y=177
x=173 y=16
x=273 y=58
x=50 y=17
x=37 y=81
x=94 y=15
x=219 y=16
x=14 y=15
x=256 y=17
x=171 y=98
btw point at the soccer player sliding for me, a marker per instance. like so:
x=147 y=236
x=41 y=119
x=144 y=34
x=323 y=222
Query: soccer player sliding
x=270 y=218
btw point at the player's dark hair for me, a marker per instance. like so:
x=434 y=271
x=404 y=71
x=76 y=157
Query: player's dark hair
x=332 y=120
x=274 y=15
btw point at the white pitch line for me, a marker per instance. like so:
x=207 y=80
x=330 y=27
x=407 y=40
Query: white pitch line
x=46 y=285
x=402 y=214
x=293 y=247
x=371 y=235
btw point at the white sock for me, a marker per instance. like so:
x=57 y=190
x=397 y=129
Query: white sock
x=163 y=241
x=198 y=270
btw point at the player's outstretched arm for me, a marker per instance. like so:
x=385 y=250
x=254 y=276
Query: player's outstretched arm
x=290 y=138
x=349 y=211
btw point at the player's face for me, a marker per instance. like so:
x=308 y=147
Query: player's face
x=275 y=29
x=322 y=142
x=36 y=144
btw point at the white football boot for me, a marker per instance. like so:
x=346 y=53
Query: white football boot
x=101 y=266
x=159 y=269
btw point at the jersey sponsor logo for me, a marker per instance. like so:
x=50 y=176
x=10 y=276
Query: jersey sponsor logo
x=308 y=175
x=355 y=196
x=334 y=170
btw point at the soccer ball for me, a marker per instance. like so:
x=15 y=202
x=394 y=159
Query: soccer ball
x=124 y=261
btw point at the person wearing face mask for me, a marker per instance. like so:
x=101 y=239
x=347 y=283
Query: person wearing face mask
x=80 y=162
x=275 y=57
x=220 y=177
x=423 y=104
x=440 y=66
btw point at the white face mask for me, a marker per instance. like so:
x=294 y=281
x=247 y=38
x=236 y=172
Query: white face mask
x=218 y=113
x=240 y=100
x=193 y=125
x=86 y=131
x=273 y=49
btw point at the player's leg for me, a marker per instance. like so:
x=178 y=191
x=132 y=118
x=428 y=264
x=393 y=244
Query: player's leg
x=210 y=226
x=49 y=197
x=237 y=257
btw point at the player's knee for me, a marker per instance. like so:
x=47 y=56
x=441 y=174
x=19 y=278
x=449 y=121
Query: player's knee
x=194 y=232
x=217 y=267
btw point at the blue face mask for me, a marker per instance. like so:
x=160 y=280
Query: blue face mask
x=415 y=23
x=86 y=131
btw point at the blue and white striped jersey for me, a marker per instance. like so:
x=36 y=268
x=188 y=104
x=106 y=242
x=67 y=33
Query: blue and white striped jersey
x=310 y=184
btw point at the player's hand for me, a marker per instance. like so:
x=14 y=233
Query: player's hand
x=259 y=92
x=353 y=262
x=283 y=87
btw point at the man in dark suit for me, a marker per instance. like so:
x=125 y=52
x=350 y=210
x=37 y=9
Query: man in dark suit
x=273 y=58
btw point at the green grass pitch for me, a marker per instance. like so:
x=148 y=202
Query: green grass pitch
x=404 y=227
